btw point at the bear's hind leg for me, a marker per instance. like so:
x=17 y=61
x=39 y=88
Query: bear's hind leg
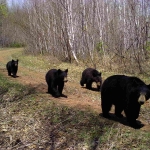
x=89 y=84
x=118 y=110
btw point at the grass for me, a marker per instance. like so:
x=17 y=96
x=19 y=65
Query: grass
x=12 y=90
x=32 y=121
x=42 y=63
x=38 y=123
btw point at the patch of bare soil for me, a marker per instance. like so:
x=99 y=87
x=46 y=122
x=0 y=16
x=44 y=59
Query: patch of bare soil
x=78 y=96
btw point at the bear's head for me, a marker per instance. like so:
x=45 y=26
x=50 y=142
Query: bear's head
x=14 y=63
x=144 y=94
x=62 y=75
x=97 y=78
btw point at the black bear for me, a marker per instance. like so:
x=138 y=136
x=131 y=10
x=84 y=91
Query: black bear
x=12 y=68
x=89 y=76
x=126 y=94
x=55 y=80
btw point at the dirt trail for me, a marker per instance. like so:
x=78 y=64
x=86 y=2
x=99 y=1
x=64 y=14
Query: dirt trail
x=78 y=97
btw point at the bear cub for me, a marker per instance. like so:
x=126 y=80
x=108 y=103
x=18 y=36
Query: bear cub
x=90 y=75
x=12 y=68
x=55 y=80
x=126 y=94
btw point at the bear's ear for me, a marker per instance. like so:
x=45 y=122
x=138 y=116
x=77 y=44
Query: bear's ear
x=100 y=74
x=66 y=70
x=59 y=71
x=17 y=60
x=12 y=60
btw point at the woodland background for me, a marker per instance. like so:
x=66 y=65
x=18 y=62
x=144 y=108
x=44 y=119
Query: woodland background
x=113 y=33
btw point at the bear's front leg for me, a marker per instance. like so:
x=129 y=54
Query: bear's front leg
x=133 y=123
x=82 y=82
x=14 y=75
x=60 y=89
x=9 y=73
x=54 y=90
x=89 y=84
x=132 y=115
x=56 y=93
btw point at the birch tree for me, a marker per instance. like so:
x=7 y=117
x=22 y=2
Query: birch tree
x=116 y=31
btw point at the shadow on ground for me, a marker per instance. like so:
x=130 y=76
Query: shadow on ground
x=122 y=120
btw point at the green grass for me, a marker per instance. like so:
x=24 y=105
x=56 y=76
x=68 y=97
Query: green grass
x=44 y=63
x=38 y=122
x=41 y=123
x=11 y=90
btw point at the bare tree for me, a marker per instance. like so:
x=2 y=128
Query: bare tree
x=115 y=31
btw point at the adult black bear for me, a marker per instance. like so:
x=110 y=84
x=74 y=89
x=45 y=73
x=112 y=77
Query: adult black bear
x=89 y=76
x=55 y=80
x=125 y=93
x=12 y=68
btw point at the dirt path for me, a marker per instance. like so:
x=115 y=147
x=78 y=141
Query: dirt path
x=78 y=97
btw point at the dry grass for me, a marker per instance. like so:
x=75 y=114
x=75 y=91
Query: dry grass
x=33 y=120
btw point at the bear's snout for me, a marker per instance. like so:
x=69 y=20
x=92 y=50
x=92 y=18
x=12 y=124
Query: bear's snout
x=142 y=99
x=65 y=79
x=98 y=83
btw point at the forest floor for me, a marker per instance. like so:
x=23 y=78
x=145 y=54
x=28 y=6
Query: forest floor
x=31 y=73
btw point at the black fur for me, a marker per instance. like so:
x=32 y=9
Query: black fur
x=89 y=76
x=55 y=81
x=12 y=68
x=123 y=92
